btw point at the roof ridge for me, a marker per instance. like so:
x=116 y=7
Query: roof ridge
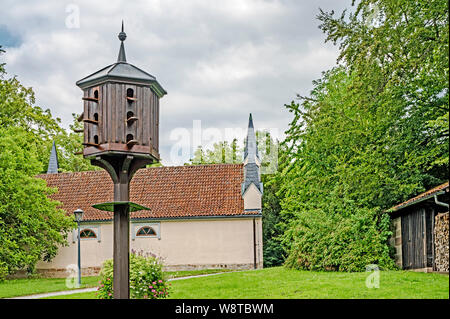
x=145 y=168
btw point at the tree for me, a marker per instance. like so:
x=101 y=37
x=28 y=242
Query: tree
x=398 y=51
x=373 y=132
x=31 y=226
x=273 y=252
x=69 y=145
x=222 y=152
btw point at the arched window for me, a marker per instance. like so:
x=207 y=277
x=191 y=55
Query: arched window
x=96 y=94
x=146 y=231
x=130 y=92
x=87 y=233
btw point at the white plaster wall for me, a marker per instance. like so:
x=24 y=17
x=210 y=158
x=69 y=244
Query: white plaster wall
x=192 y=242
x=252 y=198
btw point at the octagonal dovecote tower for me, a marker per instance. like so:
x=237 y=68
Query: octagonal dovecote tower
x=121 y=110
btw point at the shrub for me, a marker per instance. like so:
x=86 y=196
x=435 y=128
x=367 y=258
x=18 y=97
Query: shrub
x=146 y=278
x=339 y=240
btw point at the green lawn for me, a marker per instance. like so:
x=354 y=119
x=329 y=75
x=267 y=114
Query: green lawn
x=24 y=287
x=280 y=283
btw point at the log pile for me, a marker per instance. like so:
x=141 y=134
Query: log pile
x=441 y=242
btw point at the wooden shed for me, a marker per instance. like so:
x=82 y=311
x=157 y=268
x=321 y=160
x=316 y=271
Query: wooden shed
x=415 y=235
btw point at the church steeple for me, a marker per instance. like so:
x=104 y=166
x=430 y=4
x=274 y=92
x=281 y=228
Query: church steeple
x=53 y=161
x=251 y=150
x=252 y=162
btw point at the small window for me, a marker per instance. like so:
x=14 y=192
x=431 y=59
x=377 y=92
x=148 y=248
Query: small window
x=129 y=137
x=130 y=92
x=96 y=117
x=146 y=231
x=87 y=233
x=130 y=114
x=95 y=139
x=96 y=94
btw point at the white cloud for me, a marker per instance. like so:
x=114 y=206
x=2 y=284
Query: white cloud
x=218 y=60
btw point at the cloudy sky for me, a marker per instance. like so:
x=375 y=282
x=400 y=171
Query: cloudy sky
x=218 y=60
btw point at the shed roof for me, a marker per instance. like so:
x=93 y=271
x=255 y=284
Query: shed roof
x=421 y=197
x=169 y=192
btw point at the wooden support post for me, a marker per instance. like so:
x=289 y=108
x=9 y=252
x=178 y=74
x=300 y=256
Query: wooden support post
x=121 y=282
x=121 y=168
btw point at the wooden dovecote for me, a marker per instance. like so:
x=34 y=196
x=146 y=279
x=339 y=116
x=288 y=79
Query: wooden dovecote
x=121 y=110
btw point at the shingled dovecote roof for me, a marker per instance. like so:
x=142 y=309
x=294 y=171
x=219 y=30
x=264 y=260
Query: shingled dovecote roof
x=122 y=71
x=169 y=192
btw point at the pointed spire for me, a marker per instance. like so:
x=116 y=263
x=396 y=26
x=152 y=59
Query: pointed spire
x=250 y=142
x=53 y=161
x=251 y=159
x=122 y=37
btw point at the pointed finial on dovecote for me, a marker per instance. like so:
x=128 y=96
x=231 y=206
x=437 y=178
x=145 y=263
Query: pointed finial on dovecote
x=122 y=37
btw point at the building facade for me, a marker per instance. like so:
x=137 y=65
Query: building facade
x=201 y=216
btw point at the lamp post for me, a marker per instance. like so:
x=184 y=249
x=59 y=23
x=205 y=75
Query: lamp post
x=78 y=217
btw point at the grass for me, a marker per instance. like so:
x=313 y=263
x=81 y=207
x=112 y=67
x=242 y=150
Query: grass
x=83 y=295
x=281 y=283
x=188 y=273
x=24 y=287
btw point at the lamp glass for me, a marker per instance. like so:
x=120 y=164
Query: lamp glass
x=78 y=215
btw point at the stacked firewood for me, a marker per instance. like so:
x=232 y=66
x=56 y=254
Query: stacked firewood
x=441 y=242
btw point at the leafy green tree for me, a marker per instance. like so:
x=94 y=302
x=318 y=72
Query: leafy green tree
x=18 y=109
x=398 y=52
x=69 y=146
x=31 y=226
x=373 y=132
x=221 y=152
x=273 y=252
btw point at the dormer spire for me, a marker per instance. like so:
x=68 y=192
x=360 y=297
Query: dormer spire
x=122 y=36
x=251 y=160
x=250 y=150
x=53 y=161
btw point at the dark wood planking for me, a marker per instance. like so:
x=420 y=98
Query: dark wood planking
x=112 y=108
x=109 y=111
x=139 y=111
x=85 y=125
x=143 y=109
x=157 y=124
x=151 y=117
x=122 y=113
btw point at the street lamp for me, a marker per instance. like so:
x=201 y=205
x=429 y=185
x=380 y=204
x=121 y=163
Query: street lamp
x=78 y=217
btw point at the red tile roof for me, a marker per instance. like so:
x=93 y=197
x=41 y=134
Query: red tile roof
x=422 y=196
x=170 y=192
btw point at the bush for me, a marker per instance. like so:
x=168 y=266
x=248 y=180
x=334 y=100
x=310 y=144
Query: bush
x=146 y=278
x=338 y=240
